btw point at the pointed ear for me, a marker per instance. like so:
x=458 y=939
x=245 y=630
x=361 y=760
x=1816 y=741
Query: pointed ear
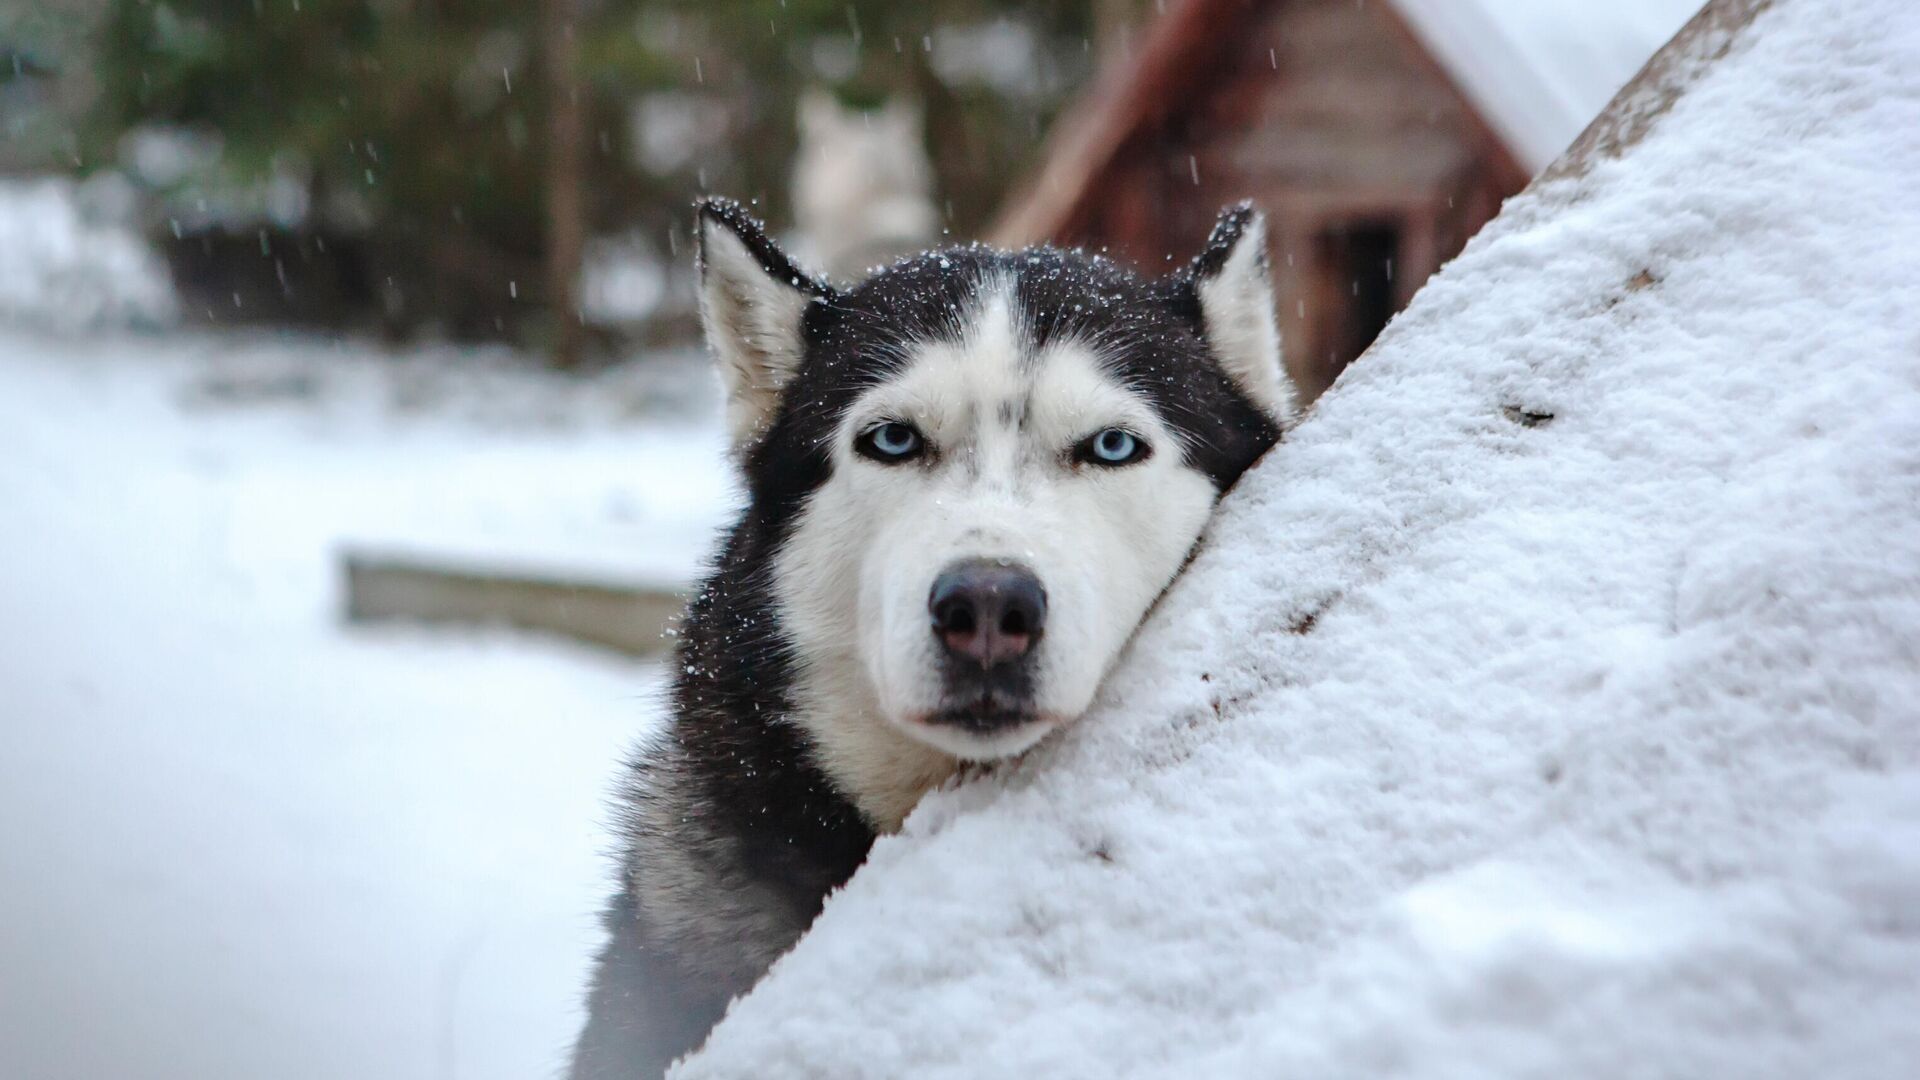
x=753 y=299
x=1235 y=295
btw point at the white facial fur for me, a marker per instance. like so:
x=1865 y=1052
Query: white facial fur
x=854 y=577
x=999 y=482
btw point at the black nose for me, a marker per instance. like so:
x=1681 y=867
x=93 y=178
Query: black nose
x=986 y=611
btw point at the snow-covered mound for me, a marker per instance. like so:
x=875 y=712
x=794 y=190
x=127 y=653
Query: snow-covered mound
x=1548 y=704
x=63 y=270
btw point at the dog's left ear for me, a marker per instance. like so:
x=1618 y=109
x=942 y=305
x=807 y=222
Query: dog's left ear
x=1235 y=295
x=753 y=301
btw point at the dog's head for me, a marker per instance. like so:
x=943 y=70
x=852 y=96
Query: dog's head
x=979 y=469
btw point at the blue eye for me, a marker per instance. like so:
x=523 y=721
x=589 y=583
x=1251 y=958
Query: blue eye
x=890 y=442
x=1114 y=446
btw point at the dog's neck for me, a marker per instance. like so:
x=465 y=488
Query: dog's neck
x=883 y=771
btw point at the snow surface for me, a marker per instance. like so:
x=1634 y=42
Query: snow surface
x=1539 y=70
x=1477 y=743
x=61 y=267
x=239 y=841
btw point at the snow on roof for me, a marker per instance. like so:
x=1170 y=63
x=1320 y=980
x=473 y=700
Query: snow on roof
x=1540 y=70
x=1536 y=71
x=1543 y=706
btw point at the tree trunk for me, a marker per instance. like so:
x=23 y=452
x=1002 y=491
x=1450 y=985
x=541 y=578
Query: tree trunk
x=566 y=166
x=1113 y=26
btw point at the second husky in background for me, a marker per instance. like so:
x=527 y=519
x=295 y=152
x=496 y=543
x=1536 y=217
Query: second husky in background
x=862 y=186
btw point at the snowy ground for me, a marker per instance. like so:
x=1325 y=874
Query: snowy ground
x=1547 y=705
x=239 y=841
x=70 y=261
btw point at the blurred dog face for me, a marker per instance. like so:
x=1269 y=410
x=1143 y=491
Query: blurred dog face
x=977 y=470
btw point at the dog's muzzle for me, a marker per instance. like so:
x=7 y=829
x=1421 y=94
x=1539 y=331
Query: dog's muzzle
x=988 y=616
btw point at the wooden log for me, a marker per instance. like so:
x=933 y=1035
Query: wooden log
x=633 y=619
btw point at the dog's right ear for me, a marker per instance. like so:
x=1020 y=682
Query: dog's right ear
x=753 y=299
x=1235 y=294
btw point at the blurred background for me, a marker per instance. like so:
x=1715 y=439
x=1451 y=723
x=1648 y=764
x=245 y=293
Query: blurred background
x=359 y=445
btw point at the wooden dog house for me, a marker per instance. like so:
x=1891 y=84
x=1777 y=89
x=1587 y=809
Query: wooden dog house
x=1372 y=151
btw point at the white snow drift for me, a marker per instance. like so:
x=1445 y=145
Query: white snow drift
x=237 y=842
x=64 y=268
x=1548 y=704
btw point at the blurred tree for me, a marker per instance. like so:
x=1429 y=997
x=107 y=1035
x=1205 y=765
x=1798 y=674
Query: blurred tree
x=469 y=148
x=990 y=74
x=46 y=80
x=566 y=175
x=420 y=127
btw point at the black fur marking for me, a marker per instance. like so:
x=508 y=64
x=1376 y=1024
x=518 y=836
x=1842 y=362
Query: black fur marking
x=748 y=779
x=1150 y=335
x=734 y=218
x=644 y=1010
x=1227 y=231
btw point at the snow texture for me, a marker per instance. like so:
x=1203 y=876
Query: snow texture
x=1547 y=705
x=65 y=270
x=239 y=841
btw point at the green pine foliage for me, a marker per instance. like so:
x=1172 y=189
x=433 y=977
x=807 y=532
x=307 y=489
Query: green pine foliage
x=418 y=126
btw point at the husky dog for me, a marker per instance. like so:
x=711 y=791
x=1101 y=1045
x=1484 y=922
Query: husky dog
x=862 y=184
x=968 y=476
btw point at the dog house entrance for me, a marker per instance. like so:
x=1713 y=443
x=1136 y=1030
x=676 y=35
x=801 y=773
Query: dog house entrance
x=1356 y=266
